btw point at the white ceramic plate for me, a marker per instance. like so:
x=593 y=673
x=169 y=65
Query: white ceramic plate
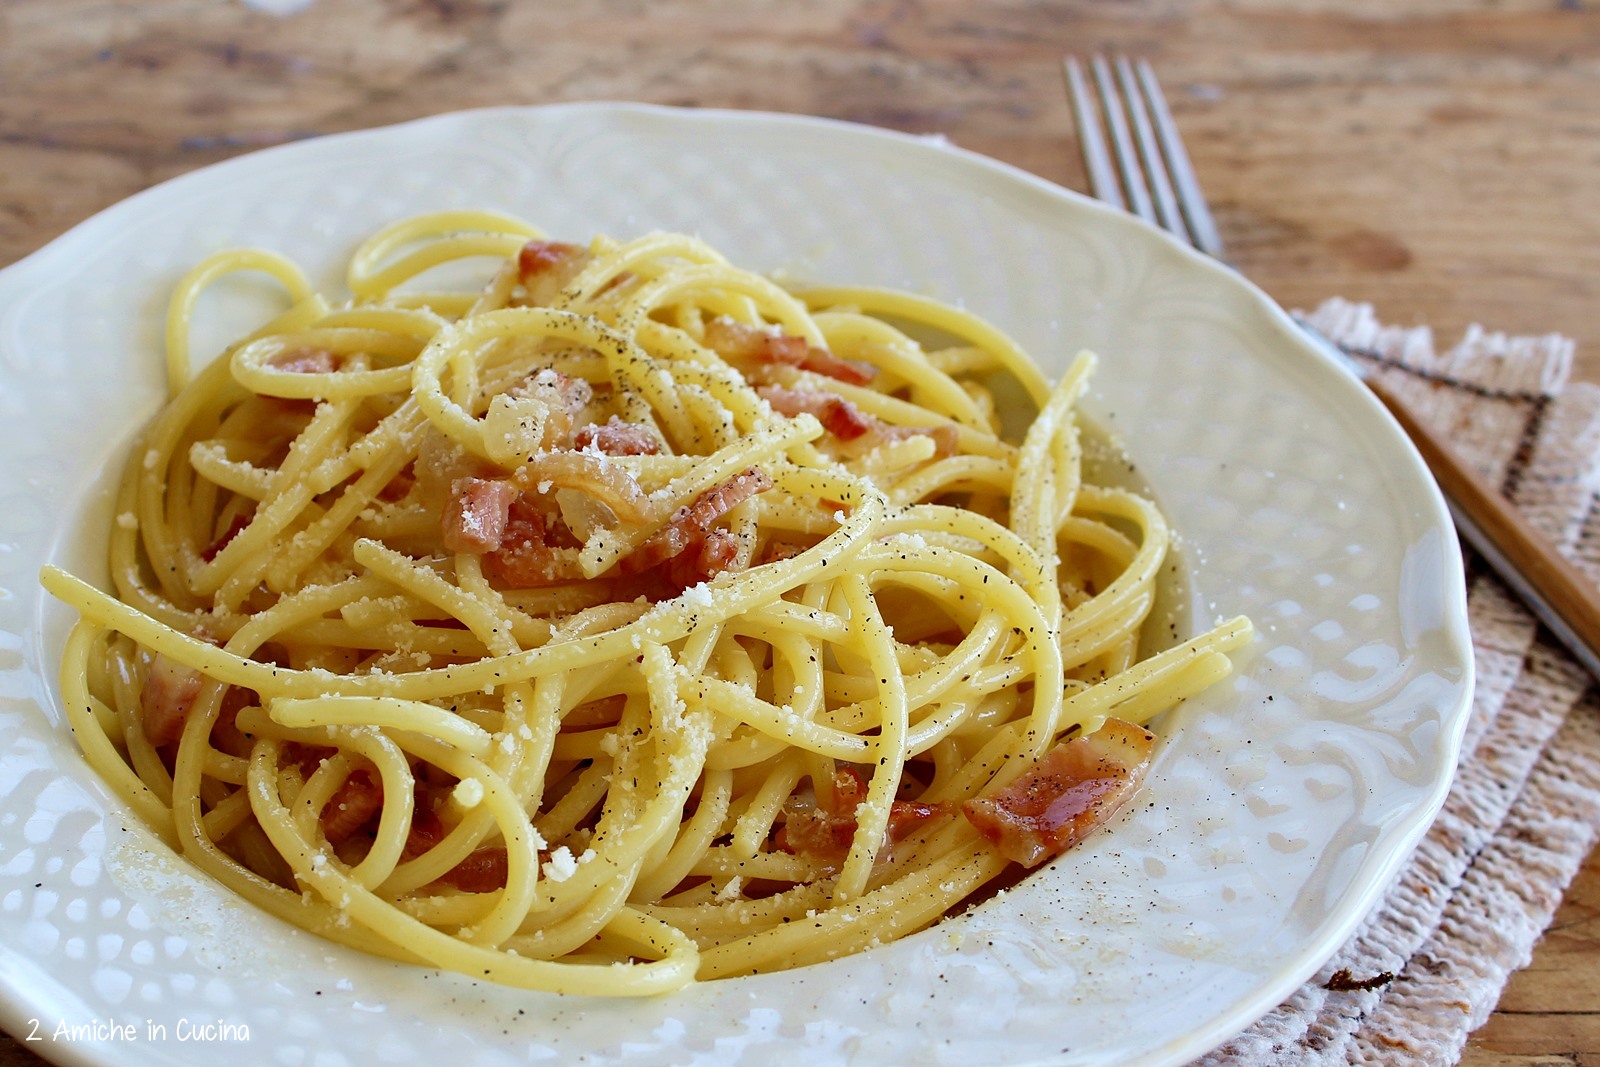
x=1279 y=804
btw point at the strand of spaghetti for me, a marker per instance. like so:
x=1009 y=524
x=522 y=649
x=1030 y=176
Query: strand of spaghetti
x=144 y=477
x=304 y=910
x=1077 y=625
x=411 y=874
x=953 y=677
x=954 y=474
x=1113 y=630
x=836 y=737
x=876 y=642
x=939 y=316
x=98 y=748
x=180 y=309
x=1038 y=491
x=289 y=613
x=627 y=830
x=699 y=366
x=292 y=557
x=395 y=815
x=961 y=359
x=1148 y=688
x=479 y=616
x=256 y=365
x=129 y=720
x=529 y=722
x=880 y=915
x=672 y=971
x=874 y=341
x=637 y=256
x=646 y=381
x=892 y=410
x=463 y=340
x=720 y=862
x=773 y=300
x=386 y=713
x=241 y=562
x=1032 y=627
x=695 y=837
x=753 y=827
x=712 y=922
x=494 y=798
x=1028 y=569
x=210 y=461
x=227 y=815
x=368 y=258
x=386 y=242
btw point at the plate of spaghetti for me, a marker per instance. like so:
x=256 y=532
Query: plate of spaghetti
x=613 y=584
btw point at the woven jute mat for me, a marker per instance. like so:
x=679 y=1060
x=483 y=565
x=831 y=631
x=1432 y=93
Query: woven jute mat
x=1430 y=962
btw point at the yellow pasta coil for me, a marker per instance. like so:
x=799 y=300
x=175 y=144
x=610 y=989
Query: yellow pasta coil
x=623 y=620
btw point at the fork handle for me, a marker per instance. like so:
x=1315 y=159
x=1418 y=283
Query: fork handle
x=1562 y=597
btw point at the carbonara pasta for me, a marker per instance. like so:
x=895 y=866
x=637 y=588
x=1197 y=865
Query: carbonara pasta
x=619 y=619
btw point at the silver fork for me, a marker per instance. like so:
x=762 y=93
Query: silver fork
x=1154 y=179
x=1157 y=181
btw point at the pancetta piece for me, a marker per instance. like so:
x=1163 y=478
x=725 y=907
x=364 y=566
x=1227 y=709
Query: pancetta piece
x=474 y=520
x=738 y=340
x=616 y=438
x=1074 y=787
x=824 y=833
x=169 y=693
x=693 y=521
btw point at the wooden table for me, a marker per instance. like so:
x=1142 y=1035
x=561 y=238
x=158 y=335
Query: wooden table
x=1434 y=157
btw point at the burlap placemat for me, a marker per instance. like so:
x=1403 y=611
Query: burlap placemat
x=1429 y=964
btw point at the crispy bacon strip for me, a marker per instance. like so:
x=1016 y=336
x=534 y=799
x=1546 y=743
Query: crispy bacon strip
x=352 y=805
x=235 y=528
x=306 y=756
x=616 y=438
x=1074 y=787
x=400 y=485
x=850 y=424
x=545 y=267
x=225 y=733
x=533 y=551
x=474 y=520
x=693 y=521
x=482 y=870
x=824 y=834
x=715 y=553
x=426 y=829
x=539 y=257
x=739 y=340
x=169 y=693
x=838 y=416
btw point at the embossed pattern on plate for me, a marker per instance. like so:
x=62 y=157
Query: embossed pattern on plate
x=1280 y=802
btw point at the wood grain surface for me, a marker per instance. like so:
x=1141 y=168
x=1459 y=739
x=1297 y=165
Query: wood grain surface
x=1437 y=158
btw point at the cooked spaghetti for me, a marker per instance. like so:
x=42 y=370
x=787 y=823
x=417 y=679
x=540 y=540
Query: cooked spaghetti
x=621 y=619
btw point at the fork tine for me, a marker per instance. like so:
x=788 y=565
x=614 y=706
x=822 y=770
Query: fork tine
x=1201 y=224
x=1155 y=166
x=1121 y=143
x=1102 y=179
